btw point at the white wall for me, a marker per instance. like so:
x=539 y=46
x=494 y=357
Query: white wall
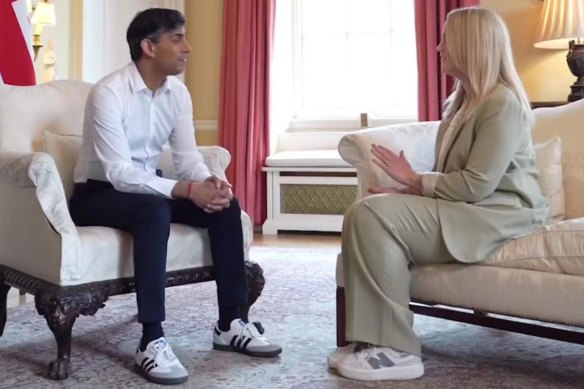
x=61 y=34
x=104 y=33
x=90 y=36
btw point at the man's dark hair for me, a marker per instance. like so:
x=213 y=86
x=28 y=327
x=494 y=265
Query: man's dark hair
x=151 y=24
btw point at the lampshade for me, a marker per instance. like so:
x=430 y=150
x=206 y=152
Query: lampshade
x=44 y=14
x=29 y=6
x=561 y=21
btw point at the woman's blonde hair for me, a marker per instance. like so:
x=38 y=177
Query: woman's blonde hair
x=478 y=45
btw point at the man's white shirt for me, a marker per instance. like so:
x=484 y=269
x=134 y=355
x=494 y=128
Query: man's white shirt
x=126 y=127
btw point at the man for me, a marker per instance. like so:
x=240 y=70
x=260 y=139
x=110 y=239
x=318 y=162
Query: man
x=129 y=115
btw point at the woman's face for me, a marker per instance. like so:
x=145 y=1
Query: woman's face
x=445 y=62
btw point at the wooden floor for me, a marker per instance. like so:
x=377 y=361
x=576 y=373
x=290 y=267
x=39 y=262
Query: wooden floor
x=296 y=239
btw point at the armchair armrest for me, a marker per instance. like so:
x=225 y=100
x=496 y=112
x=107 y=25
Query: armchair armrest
x=38 y=171
x=217 y=159
x=417 y=140
x=33 y=178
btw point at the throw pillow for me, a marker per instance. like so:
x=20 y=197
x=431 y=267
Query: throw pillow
x=65 y=150
x=548 y=159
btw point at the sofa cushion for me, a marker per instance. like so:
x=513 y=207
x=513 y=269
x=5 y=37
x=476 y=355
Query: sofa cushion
x=555 y=248
x=65 y=150
x=521 y=293
x=567 y=122
x=548 y=158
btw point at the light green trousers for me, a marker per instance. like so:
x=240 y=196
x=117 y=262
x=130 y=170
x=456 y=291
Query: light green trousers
x=382 y=235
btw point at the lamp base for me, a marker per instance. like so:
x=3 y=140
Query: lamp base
x=36 y=45
x=577 y=90
x=575 y=59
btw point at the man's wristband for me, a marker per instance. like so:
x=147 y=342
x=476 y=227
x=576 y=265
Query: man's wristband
x=189 y=189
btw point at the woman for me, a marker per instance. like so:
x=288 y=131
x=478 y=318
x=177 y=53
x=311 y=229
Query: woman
x=483 y=191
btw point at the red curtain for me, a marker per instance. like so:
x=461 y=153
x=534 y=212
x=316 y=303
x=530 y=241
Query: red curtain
x=248 y=27
x=16 y=57
x=433 y=86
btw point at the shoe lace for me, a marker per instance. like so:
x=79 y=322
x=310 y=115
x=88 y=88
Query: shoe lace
x=364 y=351
x=259 y=327
x=252 y=330
x=164 y=353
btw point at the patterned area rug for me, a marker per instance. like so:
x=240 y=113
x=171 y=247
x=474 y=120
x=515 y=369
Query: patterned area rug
x=297 y=308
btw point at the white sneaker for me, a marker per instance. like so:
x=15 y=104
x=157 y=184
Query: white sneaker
x=380 y=363
x=158 y=364
x=244 y=338
x=337 y=356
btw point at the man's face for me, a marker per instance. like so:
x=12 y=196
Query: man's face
x=171 y=51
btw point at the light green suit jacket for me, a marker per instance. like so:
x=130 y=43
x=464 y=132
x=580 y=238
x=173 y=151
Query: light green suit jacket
x=487 y=192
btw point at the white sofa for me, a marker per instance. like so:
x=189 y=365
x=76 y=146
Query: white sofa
x=72 y=270
x=539 y=276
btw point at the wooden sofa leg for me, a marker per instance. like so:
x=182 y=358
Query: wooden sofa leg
x=255 y=286
x=341 y=340
x=3 y=304
x=60 y=307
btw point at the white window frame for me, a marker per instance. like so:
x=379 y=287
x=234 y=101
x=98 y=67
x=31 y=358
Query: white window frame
x=329 y=123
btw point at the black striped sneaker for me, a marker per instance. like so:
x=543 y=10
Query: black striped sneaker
x=158 y=364
x=244 y=338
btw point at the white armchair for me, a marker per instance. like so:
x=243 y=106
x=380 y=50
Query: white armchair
x=72 y=270
x=538 y=276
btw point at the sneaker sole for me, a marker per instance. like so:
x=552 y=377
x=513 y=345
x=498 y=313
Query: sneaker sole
x=259 y=354
x=333 y=363
x=392 y=373
x=160 y=381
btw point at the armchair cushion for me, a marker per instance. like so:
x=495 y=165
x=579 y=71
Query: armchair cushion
x=99 y=243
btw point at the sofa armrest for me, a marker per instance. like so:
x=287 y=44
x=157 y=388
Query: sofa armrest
x=417 y=140
x=33 y=178
x=217 y=159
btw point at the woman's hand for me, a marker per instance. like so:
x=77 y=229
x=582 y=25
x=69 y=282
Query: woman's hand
x=398 y=168
x=386 y=189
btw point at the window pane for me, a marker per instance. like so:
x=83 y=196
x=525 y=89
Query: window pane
x=368 y=16
x=324 y=63
x=356 y=56
x=323 y=17
x=369 y=71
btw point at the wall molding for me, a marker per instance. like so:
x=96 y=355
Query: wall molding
x=288 y=141
x=206 y=125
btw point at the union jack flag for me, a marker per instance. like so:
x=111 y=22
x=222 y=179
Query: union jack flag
x=16 y=54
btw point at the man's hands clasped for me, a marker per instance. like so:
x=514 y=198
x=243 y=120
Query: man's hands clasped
x=212 y=195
